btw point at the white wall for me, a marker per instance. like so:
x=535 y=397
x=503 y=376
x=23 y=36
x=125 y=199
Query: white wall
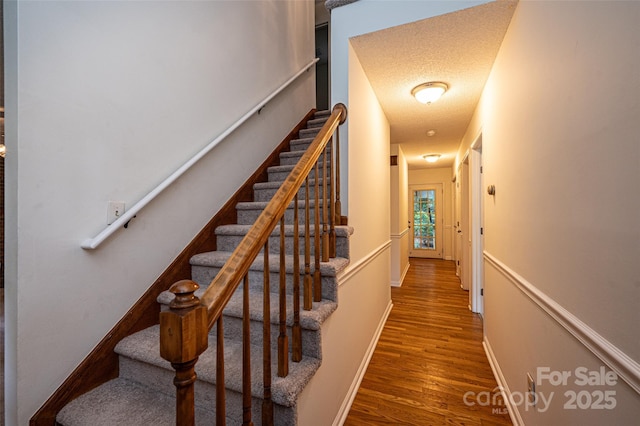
x=105 y=100
x=364 y=296
x=400 y=235
x=441 y=175
x=559 y=118
x=349 y=337
x=368 y=154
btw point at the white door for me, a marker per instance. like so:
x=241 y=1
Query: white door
x=477 y=229
x=457 y=227
x=465 y=235
x=426 y=221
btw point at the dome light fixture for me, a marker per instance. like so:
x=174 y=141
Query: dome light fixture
x=427 y=93
x=431 y=158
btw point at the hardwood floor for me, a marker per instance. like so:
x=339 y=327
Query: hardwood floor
x=428 y=357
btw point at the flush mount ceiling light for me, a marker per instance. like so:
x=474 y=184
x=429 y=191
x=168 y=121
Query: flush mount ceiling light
x=431 y=158
x=427 y=93
x=431 y=132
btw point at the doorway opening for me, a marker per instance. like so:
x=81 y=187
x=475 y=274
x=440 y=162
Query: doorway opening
x=426 y=216
x=322 y=67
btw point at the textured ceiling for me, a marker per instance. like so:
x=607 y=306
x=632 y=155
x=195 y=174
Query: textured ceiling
x=457 y=48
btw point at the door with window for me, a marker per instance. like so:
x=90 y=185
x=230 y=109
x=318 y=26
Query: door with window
x=426 y=221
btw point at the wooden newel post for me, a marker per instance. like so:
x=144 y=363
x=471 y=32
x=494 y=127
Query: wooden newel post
x=183 y=337
x=338 y=204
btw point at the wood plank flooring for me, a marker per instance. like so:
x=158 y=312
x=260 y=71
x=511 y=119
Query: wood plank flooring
x=429 y=355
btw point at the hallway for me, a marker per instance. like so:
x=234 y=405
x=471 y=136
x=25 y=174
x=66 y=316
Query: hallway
x=428 y=358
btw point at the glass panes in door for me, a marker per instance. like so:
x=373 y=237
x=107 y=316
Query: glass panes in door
x=424 y=219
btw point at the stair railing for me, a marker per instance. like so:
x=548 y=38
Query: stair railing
x=185 y=326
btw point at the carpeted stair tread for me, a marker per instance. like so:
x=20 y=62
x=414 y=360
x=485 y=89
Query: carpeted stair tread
x=317 y=122
x=216 y=259
x=292 y=157
x=287 y=168
x=310 y=320
x=306 y=133
x=144 y=346
x=205 y=267
x=125 y=403
x=341 y=231
x=300 y=144
x=278 y=184
x=261 y=205
x=264 y=191
x=228 y=237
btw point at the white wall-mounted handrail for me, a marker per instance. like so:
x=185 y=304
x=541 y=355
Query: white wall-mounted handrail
x=92 y=243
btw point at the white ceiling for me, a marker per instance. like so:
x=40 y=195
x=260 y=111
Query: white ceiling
x=458 y=49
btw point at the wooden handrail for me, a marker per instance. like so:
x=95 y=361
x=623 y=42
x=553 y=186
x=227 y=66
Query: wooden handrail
x=226 y=281
x=184 y=328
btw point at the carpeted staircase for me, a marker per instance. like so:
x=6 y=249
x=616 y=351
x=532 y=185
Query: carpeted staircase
x=143 y=394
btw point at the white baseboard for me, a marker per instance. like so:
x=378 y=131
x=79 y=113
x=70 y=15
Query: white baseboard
x=514 y=414
x=343 y=412
x=404 y=273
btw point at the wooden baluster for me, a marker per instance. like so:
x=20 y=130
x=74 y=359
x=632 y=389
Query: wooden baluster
x=185 y=398
x=246 y=355
x=283 y=339
x=338 y=206
x=307 y=250
x=317 y=279
x=221 y=396
x=183 y=337
x=332 y=213
x=325 y=209
x=267 y=403
x=296 y=331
